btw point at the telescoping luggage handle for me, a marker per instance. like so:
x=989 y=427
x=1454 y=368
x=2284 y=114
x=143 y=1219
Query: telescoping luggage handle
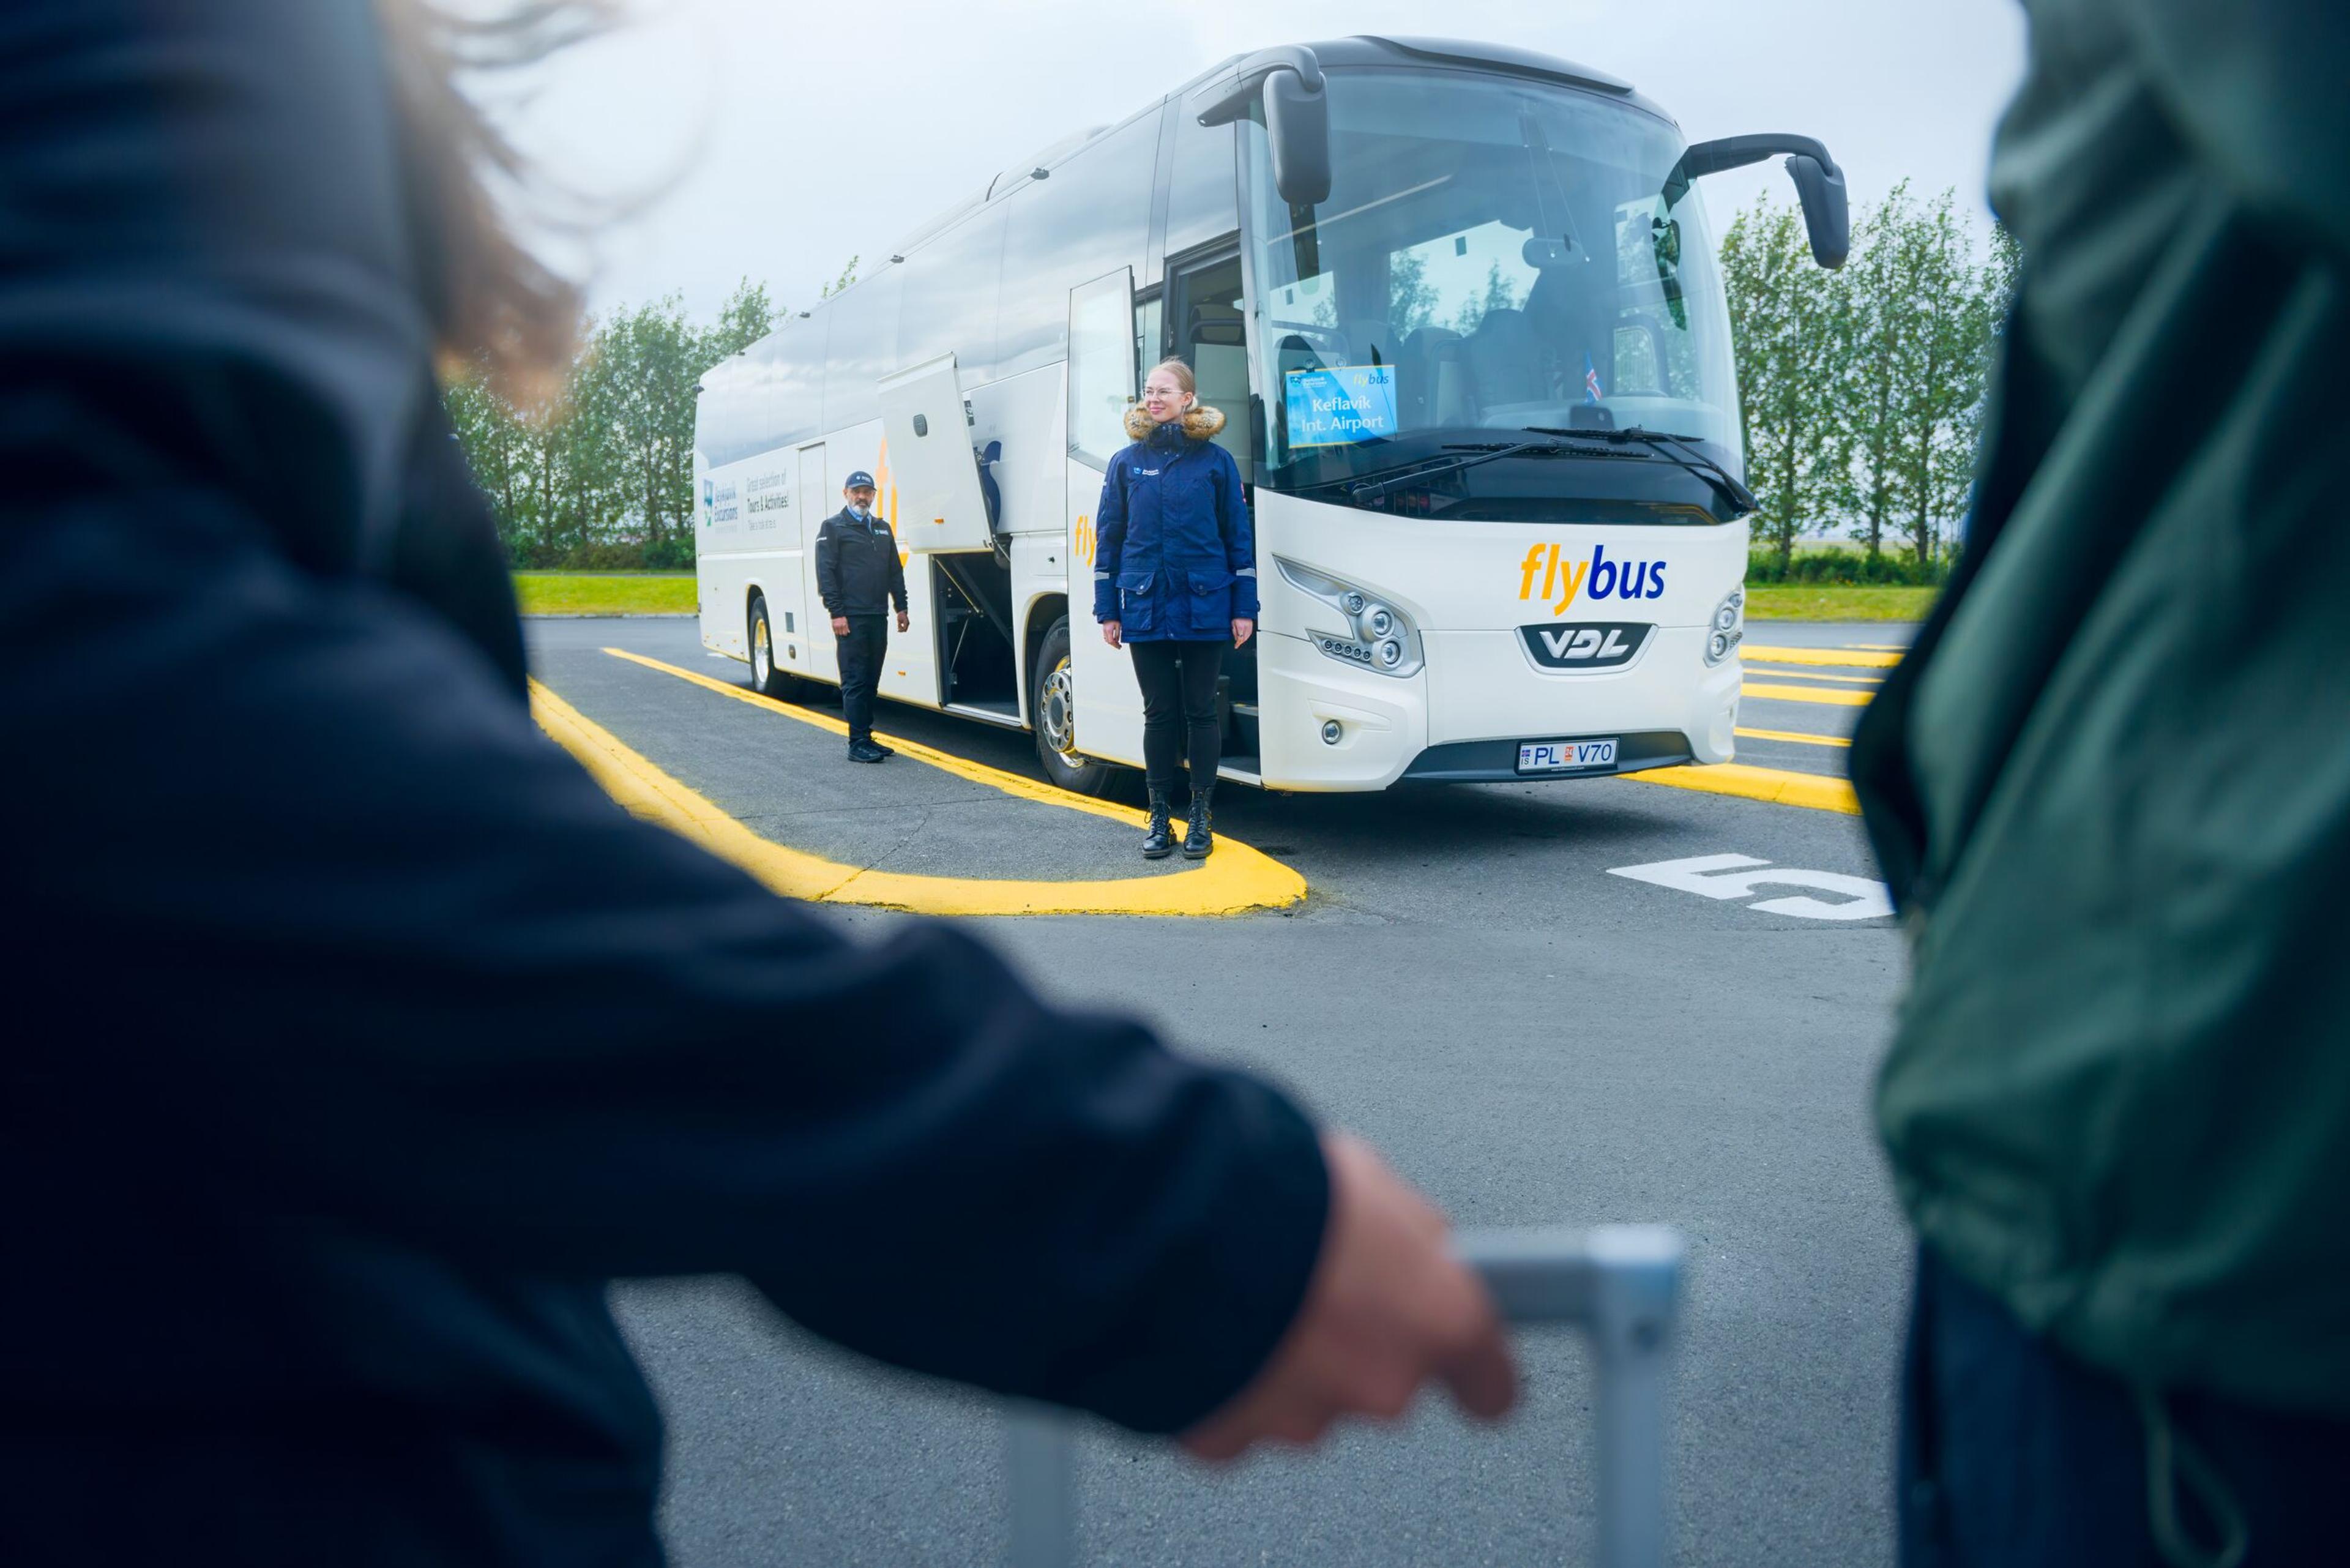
x=1619 y=1283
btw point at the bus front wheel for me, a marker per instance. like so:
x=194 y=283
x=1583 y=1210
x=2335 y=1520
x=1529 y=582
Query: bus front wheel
x=768 y=678
x=1052 y=709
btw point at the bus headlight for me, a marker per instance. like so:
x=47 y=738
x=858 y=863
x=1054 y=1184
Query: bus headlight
x=1378 y=637
x=1729 y=626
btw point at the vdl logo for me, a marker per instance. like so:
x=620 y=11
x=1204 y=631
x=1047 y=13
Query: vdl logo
x=1605 y=578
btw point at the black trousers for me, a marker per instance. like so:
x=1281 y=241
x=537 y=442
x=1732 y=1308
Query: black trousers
x=2014 y=1455
x=861 y=652
x=1178 y=710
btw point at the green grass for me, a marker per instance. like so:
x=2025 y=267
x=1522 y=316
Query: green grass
x=604 y=593
x=1836 y=601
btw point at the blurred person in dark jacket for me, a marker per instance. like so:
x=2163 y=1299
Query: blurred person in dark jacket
x=359 y=1041
x=2111 y=789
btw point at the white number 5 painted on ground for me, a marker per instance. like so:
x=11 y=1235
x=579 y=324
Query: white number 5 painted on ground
x=1737 y=876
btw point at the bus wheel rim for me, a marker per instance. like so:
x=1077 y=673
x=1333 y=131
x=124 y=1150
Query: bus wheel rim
x=1054 y=715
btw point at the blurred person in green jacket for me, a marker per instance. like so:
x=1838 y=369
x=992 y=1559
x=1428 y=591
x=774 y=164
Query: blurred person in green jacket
x=2111 y=789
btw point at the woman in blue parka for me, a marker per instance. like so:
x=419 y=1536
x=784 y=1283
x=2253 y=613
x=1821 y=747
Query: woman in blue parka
x=1175 y=581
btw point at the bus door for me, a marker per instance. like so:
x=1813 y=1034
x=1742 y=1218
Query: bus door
x=1205 y=318
x=1103 y=380
x=822 y=661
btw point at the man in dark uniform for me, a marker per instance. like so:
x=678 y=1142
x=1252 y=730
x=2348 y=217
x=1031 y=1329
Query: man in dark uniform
x=859 y=577
x=356 y=1040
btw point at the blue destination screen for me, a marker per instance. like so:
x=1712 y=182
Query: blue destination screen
x=1341 y=405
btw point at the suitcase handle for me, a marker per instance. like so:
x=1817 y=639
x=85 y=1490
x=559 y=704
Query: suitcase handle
x=1619 y=1283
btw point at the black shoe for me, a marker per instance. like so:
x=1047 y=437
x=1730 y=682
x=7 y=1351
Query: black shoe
x=1200 y=836
x=1159 y=842
x=865 y=752
x=885 y=751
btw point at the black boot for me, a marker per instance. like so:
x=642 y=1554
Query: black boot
x=1200 y=836
x=1159 y=842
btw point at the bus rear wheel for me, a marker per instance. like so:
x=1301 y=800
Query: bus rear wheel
x=1052 y=709
x=767 y=679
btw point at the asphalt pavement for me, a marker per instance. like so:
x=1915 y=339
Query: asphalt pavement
x=1577 y=1001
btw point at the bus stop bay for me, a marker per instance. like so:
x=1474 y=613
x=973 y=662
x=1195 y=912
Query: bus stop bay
x=760 y=783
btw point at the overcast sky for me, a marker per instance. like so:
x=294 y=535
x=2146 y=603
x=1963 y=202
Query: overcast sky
x=777 y=139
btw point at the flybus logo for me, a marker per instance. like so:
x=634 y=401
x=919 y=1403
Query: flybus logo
x=1597 y=578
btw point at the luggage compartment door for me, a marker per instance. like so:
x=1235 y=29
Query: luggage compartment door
x=926 y=447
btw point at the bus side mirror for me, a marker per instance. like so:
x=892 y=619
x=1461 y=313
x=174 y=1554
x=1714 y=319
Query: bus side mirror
x=1297 y=124
x=1828 y=218
x=1819 y=183
x=1288 y=79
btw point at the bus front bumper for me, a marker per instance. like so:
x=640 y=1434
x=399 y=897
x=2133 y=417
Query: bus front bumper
x=1461 y=719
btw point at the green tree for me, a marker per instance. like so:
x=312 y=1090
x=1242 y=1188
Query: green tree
x=1874 y=365
x=1951 y=307
x=601 y=473
x=1501 y=294
x=1411 y=298
x=1788 y=322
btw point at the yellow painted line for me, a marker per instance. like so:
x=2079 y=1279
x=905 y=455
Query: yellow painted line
x=1900 y=647
x=1796 y=735
x=1777 y=785
x=1839 y=680
x=1833 y=656
x=1234 y=880
x=1829 y=695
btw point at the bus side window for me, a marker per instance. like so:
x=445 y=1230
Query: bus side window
x=1090 y=215
x=949 y=297
x=1204 y=201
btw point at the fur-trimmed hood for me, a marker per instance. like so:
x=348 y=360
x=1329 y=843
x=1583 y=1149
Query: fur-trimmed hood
x=1200 y=424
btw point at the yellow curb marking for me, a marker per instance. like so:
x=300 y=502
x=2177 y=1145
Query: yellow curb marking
x=1817 y=675
x=1821 y=656
x=1808 y=694
x=1795 y=735
x=1776 y=786
x=1234 y=880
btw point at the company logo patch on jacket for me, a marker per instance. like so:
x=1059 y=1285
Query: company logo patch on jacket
x=1599 y=577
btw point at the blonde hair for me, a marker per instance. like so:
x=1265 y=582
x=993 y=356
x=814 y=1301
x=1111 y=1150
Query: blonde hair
x=1182 y=374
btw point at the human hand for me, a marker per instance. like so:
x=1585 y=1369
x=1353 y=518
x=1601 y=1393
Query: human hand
x=840 y=626
x=1387 y=1310
x=1111 y=632
x=1241 y=628
x=904 y=620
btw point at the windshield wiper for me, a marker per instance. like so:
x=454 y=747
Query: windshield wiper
x=1371 y=486
x=1673 y=448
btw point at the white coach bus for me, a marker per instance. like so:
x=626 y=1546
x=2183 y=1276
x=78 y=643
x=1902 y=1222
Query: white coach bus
x=1459 y=306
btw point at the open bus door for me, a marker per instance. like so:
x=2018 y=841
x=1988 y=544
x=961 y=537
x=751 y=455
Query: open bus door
x=927 y=441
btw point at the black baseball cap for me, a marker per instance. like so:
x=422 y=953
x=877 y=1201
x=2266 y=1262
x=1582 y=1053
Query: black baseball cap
x=860 y=478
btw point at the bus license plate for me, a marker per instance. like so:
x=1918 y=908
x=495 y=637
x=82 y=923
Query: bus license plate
x=1557 y=756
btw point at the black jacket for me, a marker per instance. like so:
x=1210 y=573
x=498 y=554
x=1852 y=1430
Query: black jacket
x=857 y=567
x=354 y=1039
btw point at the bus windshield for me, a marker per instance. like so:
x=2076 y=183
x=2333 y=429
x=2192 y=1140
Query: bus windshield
x=1495 y=256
